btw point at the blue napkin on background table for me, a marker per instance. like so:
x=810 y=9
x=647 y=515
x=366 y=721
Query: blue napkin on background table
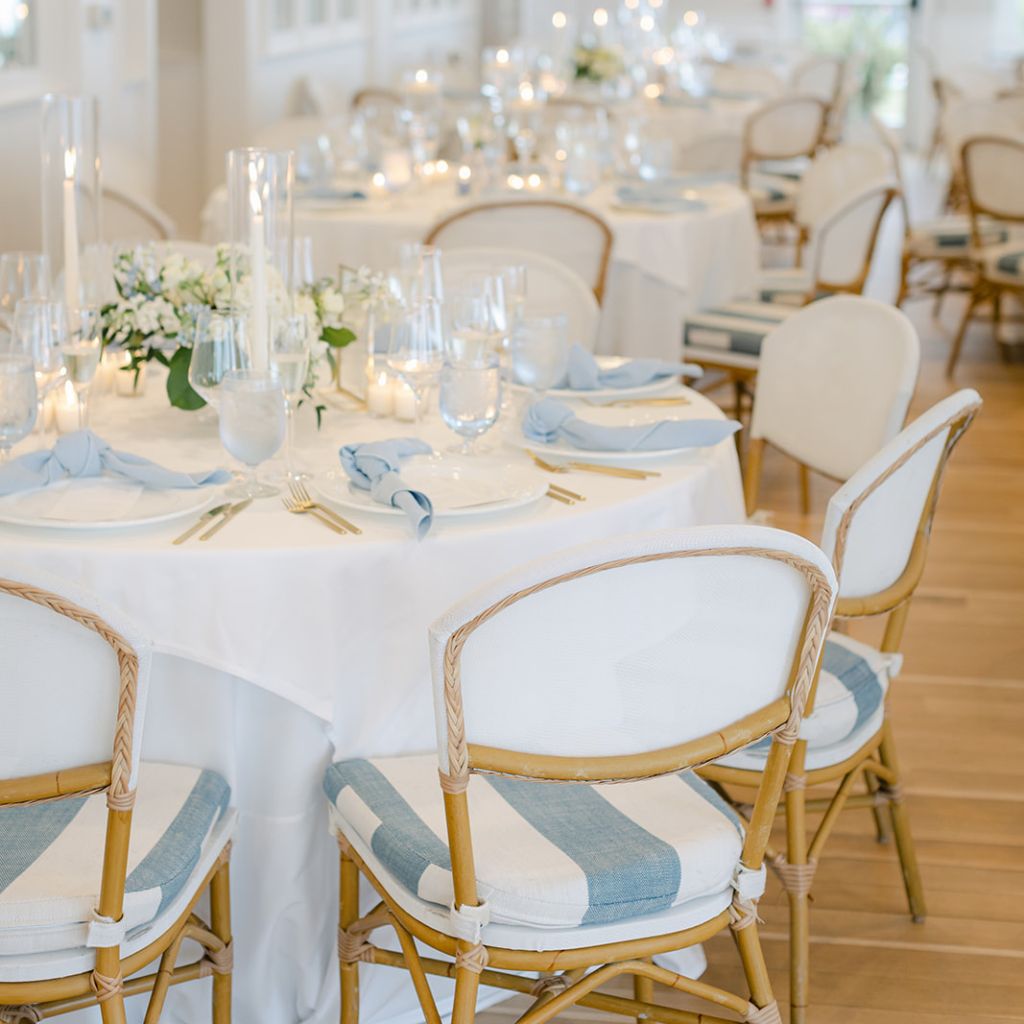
x=584 y=373
x=83 y=454
x=374 y=467
x=549 y=420
x=666 y=197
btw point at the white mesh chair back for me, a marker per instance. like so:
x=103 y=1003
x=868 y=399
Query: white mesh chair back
x=626 y=646
x=131 y=218
x=844 y=239
x=874 y=518
x=785 y=128
x=994 y=176
x=962 y=119
x=59 y=679
x=834 y=382
x=834 y=174
x=819 y=76
x=733 y=80
x=550 y=286
x=571 y=234
x=712 y=154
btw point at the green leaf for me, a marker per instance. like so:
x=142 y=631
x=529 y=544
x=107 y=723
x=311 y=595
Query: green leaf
x=337 y=337
x=179 y=391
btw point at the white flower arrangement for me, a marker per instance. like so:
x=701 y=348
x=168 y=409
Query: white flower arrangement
x=597 y=63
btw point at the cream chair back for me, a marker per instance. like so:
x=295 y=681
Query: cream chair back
x=571 y=234
x=878 y=519
x=843 y=243
x=627 y=648
x=834 y=382
x=784 y=129
x=820 y=76
x=735 y=80
x=550 y=285
x=712 y=154
x=962 y=119
x=994 y=176
x=836 y=174
x=73 y=680
x=131 y=218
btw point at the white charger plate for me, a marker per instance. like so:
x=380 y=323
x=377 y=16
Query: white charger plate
x=458 y=486
x=655 y=387
x=101 y=503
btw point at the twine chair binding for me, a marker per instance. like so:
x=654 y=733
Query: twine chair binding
x=876 y=761
x=105 y=985
x=566 y=978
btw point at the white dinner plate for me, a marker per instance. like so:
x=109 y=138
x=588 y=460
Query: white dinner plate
x=456 y=485
x=610 y=416
x=655 y=387
x=101 y=503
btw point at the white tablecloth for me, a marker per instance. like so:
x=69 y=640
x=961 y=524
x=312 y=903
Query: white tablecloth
x=279 y=641
x=663 y=266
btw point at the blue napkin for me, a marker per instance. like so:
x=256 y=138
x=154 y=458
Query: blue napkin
x=584 y=374
x=664 y=197
x=549 y=420
x=330 y=193
x=83 y=454
x=374 y=467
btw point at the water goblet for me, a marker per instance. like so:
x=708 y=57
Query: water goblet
x=540 y=351
x=19 y=401
x=476 y=323
x=470 y=398
x=252 y=426
x=218 y=347
x=290 y=343
x=80 y=349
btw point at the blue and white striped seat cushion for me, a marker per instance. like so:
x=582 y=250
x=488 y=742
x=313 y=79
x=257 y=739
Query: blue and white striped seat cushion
x=1010 y=264
x=733 y=330
x=51 y=857
x=547 y=855
x=848 y=707
x=950 y=236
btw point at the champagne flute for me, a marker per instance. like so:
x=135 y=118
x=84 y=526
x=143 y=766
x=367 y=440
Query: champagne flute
x=513 y=278
x=19 y=401
x=290 y=343
x=415 y=352
x=23 y=275
x=38 y=326
x=252 y=426
x=80 y=350
x=218 y=347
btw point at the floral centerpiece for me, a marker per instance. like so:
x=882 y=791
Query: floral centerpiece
x=597 y=64
x=159 y=297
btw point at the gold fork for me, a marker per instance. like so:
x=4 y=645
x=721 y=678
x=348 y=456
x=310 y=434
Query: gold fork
x=300 y=510
x=629 y=402
x=302 y=497
x=591 y=467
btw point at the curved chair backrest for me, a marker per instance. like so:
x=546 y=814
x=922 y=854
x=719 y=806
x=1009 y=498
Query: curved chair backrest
x=834 y=382
x=550 y=285
x=734 y=80
x=783 y=129
x=836 y=173
x=711 y=154
x=820 y=76
x=290 y=132
x=133 y=219
x=877 y=524
x=564 y=231
x=993 y=172
x=963 y=119
x=374 y=96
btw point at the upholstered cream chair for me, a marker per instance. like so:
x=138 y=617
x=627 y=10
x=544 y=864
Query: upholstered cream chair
x=629 y=661
x=820 y=75
x=132 y=218
x=876 y=532
x=103 y=857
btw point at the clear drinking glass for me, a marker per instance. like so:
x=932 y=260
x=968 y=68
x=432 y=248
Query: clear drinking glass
x=415 y=353
x=290 y=342
x=23 y=275
x=513 y=278
x=540 y=351
x=252 y=425
x=80 y=349
x=219 y=346
x=420 y=269
x=470 y=398
x=38 y=334
x=476 y=318
x=19 y=401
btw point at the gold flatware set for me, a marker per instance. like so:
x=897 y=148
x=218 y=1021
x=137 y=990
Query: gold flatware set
x=592 y=467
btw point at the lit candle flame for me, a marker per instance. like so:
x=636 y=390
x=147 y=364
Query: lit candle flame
x=70 y=162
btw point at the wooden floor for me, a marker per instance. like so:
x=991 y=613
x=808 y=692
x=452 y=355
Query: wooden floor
x=958 y=709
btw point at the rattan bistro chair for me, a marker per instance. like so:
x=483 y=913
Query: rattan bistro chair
x=613 y=662
x=876 y=531
x=102 y=857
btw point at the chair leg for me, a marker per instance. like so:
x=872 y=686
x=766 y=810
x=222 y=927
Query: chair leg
x=348 y=913
x=940 y=292
x=901 y=830
x=467 y=981
x=805 y=489
x=799 y=909
x=112 y=1010
x=972 y=304
x=997 y=315
x=748 y=942
x=643 y=991
x=880 y=811
x=220 y=925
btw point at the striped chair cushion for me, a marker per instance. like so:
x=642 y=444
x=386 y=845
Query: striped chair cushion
x=547 y=855
x=946 y=235
x=51 y=856
x=848 y=707
x=1011 y=263
x=737 y=328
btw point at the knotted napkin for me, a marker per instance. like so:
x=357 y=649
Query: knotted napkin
x=83 y=454
x=584 y=373
x=374 y=467
x=549 y=420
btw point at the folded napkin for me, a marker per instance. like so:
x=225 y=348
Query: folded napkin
x=584 y=373
x=83 y=454
x=662 y=197
x=549 y=420
x=374 y=467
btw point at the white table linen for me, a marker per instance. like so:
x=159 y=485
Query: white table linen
x=279 y=641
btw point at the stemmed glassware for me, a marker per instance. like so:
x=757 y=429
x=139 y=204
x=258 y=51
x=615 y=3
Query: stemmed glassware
x=513 y=279
x=23 y=275
x=19 y=401
x=290 y=343
x=80 y=349
x=252 y=425
x=415 y=354
x=218 y=346
x=477 y=319
x=420 y=273
x=38 y=334
x=470 y=398
x=540 y=351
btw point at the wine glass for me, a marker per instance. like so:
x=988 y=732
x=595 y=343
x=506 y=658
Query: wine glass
x=218 y=347
x=415 y=352
x=470 y=398
x=80 y=348
x=476 y=327
x=23 y=275
x=252 y=426
x=290 y=342
x=19 y=401
x=540 y=351
x=420 y=268
x=513 y=279
x=38 y=327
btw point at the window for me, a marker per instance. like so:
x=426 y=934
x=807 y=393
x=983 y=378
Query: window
x=17 y=34
x=294 y=26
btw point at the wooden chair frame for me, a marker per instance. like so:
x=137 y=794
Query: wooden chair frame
x=564 y=980
x=105 y=984
x=984 y=288
x=876 y=761
x=598 y=284
x=373 y=94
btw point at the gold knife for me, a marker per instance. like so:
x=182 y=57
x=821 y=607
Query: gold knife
x=228 y=516
x=630 y=474
x=210 y=513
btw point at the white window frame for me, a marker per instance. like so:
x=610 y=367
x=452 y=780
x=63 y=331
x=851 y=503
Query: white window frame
x=306 y=36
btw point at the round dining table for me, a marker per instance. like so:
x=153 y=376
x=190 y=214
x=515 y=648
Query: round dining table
x=664 y=265
x=281 y=645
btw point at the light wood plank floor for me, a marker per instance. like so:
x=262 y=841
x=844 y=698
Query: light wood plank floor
x=958 y=709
